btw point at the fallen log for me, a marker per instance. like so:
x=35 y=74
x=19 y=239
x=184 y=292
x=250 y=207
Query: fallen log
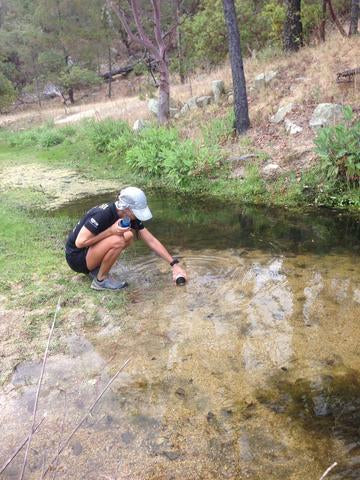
x=347 y=76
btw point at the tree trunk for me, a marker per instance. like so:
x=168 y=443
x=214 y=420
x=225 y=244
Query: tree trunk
x=292 y=35
x=354 y=17
x=110 y=75
x=242 y=121
x=164 y=92
x=71 y=95
x=323 y=21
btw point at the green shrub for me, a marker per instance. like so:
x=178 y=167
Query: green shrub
x=118 y=147
x=78 y=77
x=160 y=153
x=7 y=92
x=338 y=148
x=101 y=134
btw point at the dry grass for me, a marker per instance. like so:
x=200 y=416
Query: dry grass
x=305 y=78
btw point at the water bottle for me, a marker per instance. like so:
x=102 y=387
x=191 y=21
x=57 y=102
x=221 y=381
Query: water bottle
x=124 y=222
x=180 y=280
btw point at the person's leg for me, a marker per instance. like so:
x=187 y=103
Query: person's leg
x=105 y=253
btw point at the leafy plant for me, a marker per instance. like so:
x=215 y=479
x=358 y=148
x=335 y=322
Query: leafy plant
x=160 y=153
x=7 y=92
x=338 y=148
x=106 y=132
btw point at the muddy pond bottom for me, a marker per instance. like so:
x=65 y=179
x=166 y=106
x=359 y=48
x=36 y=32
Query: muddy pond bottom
x=249 y=371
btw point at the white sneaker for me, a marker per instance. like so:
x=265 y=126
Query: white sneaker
x=108 y=284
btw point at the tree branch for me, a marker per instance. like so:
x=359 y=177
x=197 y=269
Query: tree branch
x=145 y=39
x=120 y=13
x=335 y=19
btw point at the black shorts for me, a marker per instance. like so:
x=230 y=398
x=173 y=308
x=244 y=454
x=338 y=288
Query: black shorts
x=77 y=260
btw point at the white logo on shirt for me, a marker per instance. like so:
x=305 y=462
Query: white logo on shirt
x=104 y=206
x=94 y=222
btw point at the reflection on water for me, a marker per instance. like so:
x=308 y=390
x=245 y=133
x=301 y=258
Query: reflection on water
x=249 y=371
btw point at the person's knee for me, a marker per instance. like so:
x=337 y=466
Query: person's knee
x=128 y=237
x=117 y=242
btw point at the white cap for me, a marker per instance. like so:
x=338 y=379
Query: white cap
x=135 y=199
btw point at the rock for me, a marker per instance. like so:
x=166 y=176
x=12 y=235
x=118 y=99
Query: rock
x=281 y=113
x=184 y=109
x=264 y=79
x=271 y=170
x=139 y=125
x=218 y=89
x=180 y=392
x=230 y=99
x=292 y=128
x=192 y=103
x=326 y=114
x=51 y=91
x=78 y=345
x=172 y=455
x=173 y=112
x=203 y=101
x=153 y=106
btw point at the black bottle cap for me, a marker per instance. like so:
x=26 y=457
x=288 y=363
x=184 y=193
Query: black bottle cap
x=180 y=281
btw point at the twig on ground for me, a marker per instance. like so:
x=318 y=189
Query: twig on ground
x=38 y=391
x=61 y=434
x=19 y=448
x=61 y=449
x=328 y=470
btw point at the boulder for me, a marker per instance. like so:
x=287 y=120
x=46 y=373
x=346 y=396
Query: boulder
x=185 y=108
x=326 y=114
x=173 y=112
x=203 y=101
x=218 y=89
x=139 y=125
x=281 y=113
x=192 y=103
x=265 y=78
x=292 y=128
x=153 y=106
x=271 y=170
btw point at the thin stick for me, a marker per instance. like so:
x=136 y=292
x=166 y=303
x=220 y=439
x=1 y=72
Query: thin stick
x=328 y=470
x=38 y=391
x=61 y=449
x=20 y=447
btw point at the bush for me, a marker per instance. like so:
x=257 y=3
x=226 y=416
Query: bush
x=77 y=77
x=47 y=136
x=7 y=92
x=106 y=132
x=160 y=153
x=338 y=148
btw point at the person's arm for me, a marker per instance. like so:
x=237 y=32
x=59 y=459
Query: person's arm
x=86 y=238
x=157 y=247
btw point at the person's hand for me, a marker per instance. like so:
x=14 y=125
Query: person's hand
x=117 y=230
x=177 y=270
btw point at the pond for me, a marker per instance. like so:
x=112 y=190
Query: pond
x=250 y=371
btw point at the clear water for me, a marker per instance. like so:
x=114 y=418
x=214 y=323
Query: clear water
x=250 y=371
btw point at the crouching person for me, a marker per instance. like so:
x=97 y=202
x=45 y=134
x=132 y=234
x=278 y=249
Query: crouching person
x=98 y=239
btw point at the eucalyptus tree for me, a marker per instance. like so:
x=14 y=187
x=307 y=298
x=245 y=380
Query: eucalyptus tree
x=134 y=22
x=242 y=121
